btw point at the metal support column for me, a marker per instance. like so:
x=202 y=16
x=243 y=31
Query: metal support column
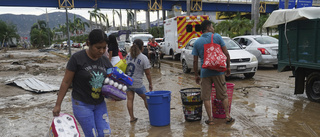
x=157 y=18
x=48 y=26
x=148 y=19
x=255 y=15
x=286 y=4
x=164 y=16
x=188 y=7
x=135 y=20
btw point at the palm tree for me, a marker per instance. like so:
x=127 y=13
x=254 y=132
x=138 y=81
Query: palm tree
x=223 y=27
x=107 y=22
x=101 y=17
x=63 y=28
x=262 y=20
x=82 y=26
x=40 y=33
x=76 y=23
x=130 y=18
x=120 y=18
x=7 y=32
x=239 y=26
x=94 y=14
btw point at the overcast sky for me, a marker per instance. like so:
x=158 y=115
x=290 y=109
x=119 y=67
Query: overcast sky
x=83 y=12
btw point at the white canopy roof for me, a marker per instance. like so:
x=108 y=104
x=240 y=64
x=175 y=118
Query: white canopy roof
x=282 y=16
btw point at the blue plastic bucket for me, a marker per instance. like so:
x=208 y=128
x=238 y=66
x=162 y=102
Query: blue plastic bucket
x=159 y=107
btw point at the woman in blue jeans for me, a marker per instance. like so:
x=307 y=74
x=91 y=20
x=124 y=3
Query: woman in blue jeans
x=86 y=70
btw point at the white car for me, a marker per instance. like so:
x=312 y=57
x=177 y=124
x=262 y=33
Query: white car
x=132 y=37
x=241 y=61
x=265 y=48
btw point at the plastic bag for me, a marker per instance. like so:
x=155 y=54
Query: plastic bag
x=214 y=58
x=63 y=126
x=122 y=64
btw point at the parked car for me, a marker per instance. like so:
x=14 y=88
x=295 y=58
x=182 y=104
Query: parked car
x=265 y=48
x=241 y=61
x=76 y=45
x=143 y=37
x=122 y=49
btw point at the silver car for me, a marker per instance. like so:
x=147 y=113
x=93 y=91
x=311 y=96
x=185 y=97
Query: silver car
x=241 y=61
x=265 y=48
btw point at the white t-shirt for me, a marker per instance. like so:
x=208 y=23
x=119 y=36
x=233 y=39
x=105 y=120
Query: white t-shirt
x=136 y=67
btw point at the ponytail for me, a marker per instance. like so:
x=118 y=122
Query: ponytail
x=136 y=48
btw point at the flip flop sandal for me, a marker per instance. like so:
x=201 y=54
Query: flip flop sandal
x=134 y=120
x=209 y=122
x=230 y=120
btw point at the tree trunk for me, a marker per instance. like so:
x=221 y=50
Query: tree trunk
x=96 y=23
x=3 y=40
x=113 y=22
x=120 y=20
x=128 y=20
x=135 y=20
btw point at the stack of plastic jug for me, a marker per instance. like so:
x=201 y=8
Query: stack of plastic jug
x=64 y=126
x=117 y=75
x=115 y=85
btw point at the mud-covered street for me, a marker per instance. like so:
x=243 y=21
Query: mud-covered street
x=263 y=106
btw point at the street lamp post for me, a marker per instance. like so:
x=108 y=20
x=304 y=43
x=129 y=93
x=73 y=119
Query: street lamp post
x=48 y=26
x=68 y=43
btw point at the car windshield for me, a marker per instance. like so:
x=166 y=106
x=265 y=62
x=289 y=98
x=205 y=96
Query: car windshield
x=159 y=41
x=266 y=40
x=121 y=44
x=143 y=38
x=231 y=45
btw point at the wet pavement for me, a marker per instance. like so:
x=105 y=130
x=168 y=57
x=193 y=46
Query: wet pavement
x=263 y=106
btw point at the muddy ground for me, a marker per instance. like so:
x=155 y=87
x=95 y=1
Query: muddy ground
x=262 y=106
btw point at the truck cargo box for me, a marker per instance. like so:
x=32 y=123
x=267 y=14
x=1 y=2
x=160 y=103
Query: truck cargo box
x=303 y=47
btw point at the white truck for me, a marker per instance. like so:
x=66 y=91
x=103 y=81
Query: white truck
x=178 y=31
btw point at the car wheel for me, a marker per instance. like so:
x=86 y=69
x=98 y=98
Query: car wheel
x=159 y=64
x=172 y=55
x=161 y=56
x=275 y=66
x=313 y=87
x=249 y=75
x=185 y=67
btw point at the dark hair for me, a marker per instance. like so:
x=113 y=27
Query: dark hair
x=204 y=25
x=97 y=36
x=136 y=48
x=112 y=40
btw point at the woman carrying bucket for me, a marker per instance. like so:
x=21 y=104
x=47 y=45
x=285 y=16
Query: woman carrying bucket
x=138 y=64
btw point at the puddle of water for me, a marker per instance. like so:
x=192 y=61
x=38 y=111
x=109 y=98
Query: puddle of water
x=258 y=105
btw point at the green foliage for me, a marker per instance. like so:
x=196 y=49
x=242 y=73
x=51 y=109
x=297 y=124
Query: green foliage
x=75 y=39
x=76 y=26
x=79 y=39
x=157 y=32
x=262 y=20
x=235 y=27
x=238 y=26
x=275 y=36
x=39 y=34
x=7 y=32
